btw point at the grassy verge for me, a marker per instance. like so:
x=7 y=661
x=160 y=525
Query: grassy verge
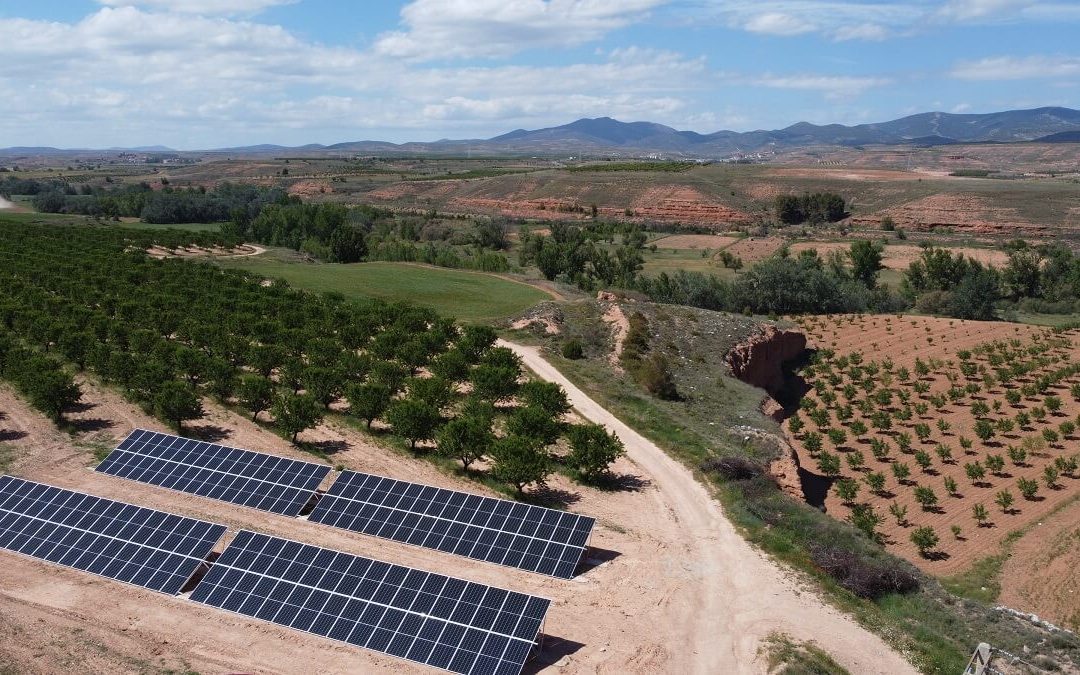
x=468 y=296
x=787 y=657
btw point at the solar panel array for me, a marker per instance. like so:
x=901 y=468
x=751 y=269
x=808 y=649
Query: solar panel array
x=139 y=546
x=495 y=530
x=428 y=618
x=255 y=479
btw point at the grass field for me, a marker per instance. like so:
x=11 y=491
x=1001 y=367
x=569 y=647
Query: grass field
x=469 y=296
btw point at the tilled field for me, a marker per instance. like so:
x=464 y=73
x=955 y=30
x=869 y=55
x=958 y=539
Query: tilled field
x=940 y=423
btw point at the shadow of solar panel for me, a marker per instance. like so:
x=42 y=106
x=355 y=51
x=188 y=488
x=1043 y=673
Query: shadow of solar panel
x=428 y=618
x=147 y=548
x=261 y=481
x=509 y=533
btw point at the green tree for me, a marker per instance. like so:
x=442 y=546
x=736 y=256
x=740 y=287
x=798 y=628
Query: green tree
x=950 y=485
x=322 y=383
x=866 y=259
x=847 y=490
x=926 y=497
x=52 y=392
x=829 y=464
x=975 y=472
x=592 y=450
x=466 y=438
x=546 y=396
x=1028 y=488
x=519 y=462
x=980 y=514
x=901 y=471
x=176 y=402
x=494 y=383
x=925 y=539
x=295 y=412
x=1004 y=499
x=368 y=401
x=899 y=512
x=876 y=482
x=413 y=420
x=255 y=393
x=865 y=519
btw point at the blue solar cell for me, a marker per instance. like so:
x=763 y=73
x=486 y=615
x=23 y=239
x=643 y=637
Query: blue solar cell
x=428 y=618
x=494 y=530
x=144 y=547
x=253 y=479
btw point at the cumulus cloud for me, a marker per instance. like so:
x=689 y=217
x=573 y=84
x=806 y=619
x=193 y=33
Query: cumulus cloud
x=226 y=7
x=1018 y=68
x=440 y=29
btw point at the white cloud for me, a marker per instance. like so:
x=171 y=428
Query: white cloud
x=968 y=10
x=206 y=7
x=440 y=29
x=778 y=23
x=873 y=20
x=1018 y=68
x=862 y=31
x=832 y=86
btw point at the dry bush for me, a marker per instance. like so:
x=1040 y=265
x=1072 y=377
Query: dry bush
x=733 y=468
x=865 y=577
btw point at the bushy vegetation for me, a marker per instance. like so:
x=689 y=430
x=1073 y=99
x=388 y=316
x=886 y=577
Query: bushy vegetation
x=782 y=284
x=164 y=206
x=583 y=256
x=169 y=332
x=668 y=167
x=816 y=208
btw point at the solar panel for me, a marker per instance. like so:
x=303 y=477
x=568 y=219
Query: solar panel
x=255 y=479
x=144 y=547
x=495 y=530
x=428 y=618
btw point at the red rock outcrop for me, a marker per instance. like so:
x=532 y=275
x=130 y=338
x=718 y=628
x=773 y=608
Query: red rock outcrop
x=759 y=361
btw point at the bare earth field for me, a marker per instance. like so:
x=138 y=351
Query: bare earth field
x=1043 y=571
x=753 y=249
x=650 y=605
x=894 y=342
x=900 y=256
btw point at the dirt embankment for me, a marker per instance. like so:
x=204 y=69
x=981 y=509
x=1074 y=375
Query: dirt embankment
x=760 y=360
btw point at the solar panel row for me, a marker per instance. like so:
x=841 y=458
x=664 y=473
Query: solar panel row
x=255 y=479
x=428 y=618
x=508 y=533
x=148 y=548
x=494 y=530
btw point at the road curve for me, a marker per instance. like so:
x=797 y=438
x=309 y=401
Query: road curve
x=737 y=595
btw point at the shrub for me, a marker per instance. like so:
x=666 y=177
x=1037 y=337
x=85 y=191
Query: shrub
x=733 y=467
x=865 y=577
x=572 y=349
x=1028 y=488
x=925 y=539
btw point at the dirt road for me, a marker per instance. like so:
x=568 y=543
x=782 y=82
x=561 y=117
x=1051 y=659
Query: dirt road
x=731 y=595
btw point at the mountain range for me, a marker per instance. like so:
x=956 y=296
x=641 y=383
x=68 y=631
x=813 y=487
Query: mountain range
x=604 y=135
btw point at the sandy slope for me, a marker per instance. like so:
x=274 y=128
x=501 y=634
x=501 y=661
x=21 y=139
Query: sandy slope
x=732 y=595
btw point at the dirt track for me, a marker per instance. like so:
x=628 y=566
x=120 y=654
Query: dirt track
x=729 y=596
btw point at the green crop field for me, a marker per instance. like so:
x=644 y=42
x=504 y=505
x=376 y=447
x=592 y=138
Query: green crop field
x=468 y=296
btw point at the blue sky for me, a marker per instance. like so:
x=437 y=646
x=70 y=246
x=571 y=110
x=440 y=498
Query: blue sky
x=213 y=73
